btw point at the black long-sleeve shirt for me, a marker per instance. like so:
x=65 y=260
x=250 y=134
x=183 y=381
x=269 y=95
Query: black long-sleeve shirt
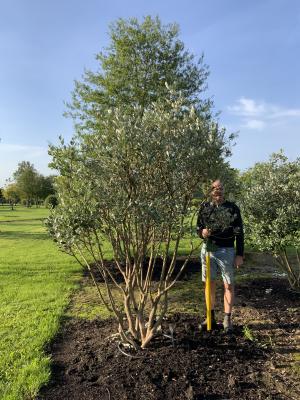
x=227 y=236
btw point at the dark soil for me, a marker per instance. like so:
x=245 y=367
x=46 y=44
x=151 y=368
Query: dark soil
x=88 y=365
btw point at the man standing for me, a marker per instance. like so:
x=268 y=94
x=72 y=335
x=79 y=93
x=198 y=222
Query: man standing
x=219 y=239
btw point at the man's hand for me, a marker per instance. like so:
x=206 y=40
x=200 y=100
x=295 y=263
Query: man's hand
x=206 y=233
x=239 y=260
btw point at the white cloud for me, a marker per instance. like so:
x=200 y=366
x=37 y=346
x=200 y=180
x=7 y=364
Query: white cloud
x=293 y=112
x=258 y=114
x=27 y=151
x=254 y=124
x=247 y=107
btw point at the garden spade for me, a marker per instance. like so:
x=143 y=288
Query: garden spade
x=208 y=292
x=210 y=246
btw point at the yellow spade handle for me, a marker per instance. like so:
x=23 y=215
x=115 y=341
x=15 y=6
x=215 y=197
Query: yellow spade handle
x=208 y=292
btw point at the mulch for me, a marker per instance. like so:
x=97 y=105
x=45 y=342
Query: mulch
x=87 y=363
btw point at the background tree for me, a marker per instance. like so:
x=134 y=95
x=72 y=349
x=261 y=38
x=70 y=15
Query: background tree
x=51 y=201
x=26 y=180
x=271 y=208
x=32 y=185
x=12 y=194
x=43 y=187
x=130 y=173
x=2 y=198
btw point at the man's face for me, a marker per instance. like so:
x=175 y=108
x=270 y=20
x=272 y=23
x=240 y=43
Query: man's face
x=217 y=192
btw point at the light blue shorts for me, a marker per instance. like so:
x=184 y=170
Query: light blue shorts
x=222 y=259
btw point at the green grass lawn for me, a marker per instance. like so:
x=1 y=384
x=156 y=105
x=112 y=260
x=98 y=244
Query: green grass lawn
x=35 y=286
x=22 y=213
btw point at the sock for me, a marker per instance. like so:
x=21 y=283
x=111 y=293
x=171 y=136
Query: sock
x=228 y=315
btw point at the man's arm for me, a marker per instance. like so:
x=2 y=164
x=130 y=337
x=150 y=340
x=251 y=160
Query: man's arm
x=239 y=237
x=200 y=222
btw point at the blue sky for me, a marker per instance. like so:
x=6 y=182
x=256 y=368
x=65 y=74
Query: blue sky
x=251 y=47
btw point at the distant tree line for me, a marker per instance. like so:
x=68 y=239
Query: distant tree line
x=28 y=186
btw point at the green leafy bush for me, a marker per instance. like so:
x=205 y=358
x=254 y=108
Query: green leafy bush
x=51 y=201
x=271 y=208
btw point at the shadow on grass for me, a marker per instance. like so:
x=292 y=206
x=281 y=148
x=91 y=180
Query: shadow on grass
x=23 y=235
x=27 y=221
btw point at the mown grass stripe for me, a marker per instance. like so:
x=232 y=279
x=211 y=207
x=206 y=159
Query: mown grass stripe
x=36 y=281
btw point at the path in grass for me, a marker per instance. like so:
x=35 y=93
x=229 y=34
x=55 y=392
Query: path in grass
x=35 y=286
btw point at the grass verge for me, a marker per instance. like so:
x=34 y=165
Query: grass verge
x=35 y=286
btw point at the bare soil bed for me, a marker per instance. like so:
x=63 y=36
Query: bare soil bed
x=88 y=365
